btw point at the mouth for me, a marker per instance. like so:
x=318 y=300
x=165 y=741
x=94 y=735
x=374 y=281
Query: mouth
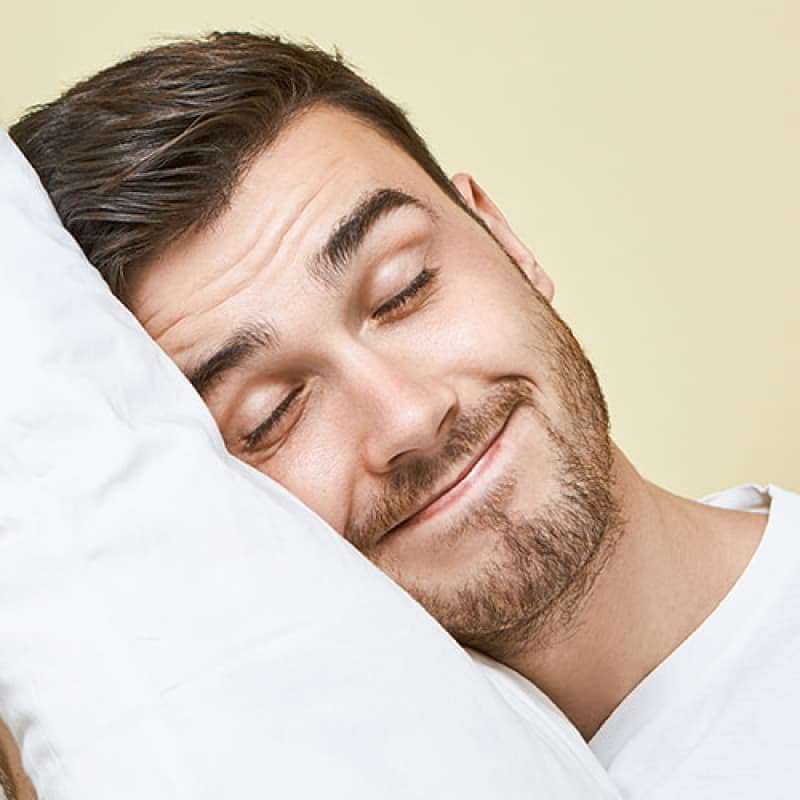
x=454 y=489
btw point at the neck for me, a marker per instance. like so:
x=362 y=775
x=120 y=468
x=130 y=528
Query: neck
x=673 y=563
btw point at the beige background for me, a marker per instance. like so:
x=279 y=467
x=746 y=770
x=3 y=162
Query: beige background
x=648 y=152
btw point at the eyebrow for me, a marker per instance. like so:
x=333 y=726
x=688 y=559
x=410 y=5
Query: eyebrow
x=327 y=268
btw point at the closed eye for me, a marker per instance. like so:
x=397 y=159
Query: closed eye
x=252 y=440
x=426 y=277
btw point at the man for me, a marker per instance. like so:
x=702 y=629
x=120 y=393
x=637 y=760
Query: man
x=376 y=338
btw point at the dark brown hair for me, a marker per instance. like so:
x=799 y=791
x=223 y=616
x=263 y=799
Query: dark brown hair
x=155 y=145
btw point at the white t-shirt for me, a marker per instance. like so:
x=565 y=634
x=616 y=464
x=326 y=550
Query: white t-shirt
x=720 y=717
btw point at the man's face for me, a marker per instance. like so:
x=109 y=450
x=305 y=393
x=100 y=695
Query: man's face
x=388 y=365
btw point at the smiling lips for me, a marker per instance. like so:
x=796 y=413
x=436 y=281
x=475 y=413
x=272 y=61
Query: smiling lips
x=453 y=491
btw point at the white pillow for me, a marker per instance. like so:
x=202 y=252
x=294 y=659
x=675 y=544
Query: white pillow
x=173 y=623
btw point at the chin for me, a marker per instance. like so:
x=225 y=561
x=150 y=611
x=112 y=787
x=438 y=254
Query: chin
x=512 y=568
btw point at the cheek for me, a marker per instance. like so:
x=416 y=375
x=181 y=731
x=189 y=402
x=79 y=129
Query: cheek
x=318 y=470
x=484 y=329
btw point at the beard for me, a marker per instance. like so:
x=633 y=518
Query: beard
x=528 y=592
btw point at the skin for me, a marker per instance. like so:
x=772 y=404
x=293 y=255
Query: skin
x=11 y=768
x=560 y=560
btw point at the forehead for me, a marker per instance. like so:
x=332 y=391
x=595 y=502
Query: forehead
x=282 y=210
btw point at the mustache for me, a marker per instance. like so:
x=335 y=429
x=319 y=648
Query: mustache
x=416 y=480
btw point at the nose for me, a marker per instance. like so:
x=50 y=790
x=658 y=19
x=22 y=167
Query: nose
x=405 y=410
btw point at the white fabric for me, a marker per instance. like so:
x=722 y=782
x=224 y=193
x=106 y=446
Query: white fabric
x=720 y=717
x=530 y=701
x=174 y=624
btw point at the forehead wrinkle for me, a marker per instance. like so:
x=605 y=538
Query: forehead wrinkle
x=261 y=263
x=328 y=264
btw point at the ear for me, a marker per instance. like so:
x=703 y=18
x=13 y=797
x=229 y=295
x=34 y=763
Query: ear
x=480 y=202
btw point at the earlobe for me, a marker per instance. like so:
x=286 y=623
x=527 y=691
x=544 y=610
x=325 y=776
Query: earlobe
x=480 y=202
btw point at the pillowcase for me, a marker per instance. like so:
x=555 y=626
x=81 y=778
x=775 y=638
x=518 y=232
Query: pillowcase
x=175 y=624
